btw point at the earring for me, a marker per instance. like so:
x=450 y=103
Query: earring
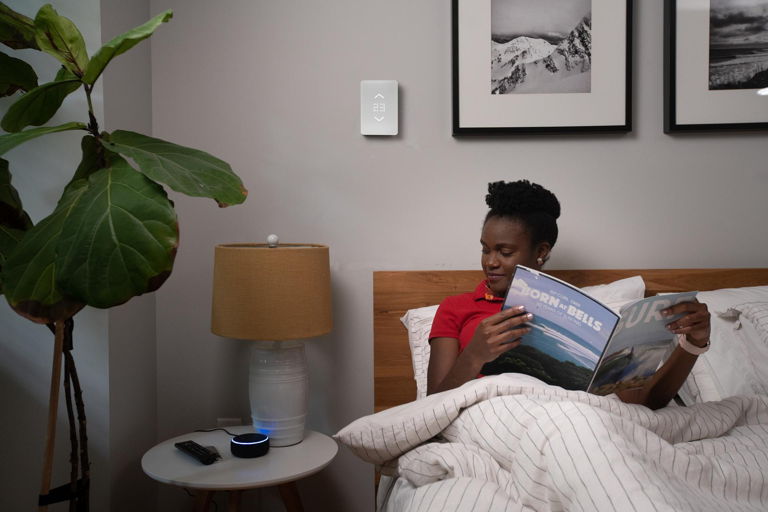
x=540 y=261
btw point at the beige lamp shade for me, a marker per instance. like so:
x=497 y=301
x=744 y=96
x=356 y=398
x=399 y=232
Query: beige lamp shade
x=271 y=293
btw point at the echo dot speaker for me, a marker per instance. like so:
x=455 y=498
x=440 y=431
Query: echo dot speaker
x=248 y=446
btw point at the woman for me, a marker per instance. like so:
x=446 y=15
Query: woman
x=470 y=330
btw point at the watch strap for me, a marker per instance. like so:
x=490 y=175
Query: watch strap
x=690 y=347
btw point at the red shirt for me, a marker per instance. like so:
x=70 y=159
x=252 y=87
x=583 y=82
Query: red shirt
x=458 y=315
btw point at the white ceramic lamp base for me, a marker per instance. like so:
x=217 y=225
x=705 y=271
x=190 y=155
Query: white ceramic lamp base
x=279 y=388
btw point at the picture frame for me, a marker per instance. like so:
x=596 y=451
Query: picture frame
x=555 y=94
x=704 y=84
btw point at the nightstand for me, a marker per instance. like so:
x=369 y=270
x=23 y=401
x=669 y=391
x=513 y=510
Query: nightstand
x=281 y=467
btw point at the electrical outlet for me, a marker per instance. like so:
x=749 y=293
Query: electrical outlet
x=228 y=422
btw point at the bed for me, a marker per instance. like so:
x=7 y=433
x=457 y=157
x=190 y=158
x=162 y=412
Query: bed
x=510 y=442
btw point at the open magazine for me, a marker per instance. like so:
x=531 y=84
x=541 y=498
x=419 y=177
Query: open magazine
x=577 y=342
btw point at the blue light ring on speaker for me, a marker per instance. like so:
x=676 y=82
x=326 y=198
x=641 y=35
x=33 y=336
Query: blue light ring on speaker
x=249 y=445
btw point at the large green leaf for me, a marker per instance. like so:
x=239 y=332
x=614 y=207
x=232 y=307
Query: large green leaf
x=122 y=44
x=15 y=74
x=120 y=239
x=40 y=104
x=186 y=170
x=58 y=36
x=12 y=214
x=11 y=140
x=9 y=238
x=30 y=271
x=16 y=30
x=13 y=219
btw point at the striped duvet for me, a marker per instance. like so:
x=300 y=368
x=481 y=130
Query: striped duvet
x=510 y=442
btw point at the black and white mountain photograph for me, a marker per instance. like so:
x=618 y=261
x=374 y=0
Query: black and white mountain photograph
x=738 y=44
x=541 y=46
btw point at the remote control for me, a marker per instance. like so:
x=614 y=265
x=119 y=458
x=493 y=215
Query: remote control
x=201 y=453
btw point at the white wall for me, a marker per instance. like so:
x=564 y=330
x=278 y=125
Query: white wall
x=272 y=87
x=40 y=170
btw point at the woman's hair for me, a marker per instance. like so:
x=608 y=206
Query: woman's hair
x=529 y=203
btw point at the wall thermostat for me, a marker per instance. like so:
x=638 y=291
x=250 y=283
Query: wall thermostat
x=378 y=107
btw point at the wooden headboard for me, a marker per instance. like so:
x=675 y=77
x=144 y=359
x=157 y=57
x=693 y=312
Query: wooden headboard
x=395 y=292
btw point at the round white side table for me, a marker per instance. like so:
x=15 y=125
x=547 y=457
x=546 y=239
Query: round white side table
x=281 y=467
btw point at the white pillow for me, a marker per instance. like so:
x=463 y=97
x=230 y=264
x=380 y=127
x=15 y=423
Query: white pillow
x=618 y=293
x=754 y=314
x=753 y=332
x=418 y=322
x=737 y=360
x=720 y=302
x=724 y=370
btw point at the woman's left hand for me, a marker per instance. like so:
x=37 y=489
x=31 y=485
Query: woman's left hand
x=694 y=323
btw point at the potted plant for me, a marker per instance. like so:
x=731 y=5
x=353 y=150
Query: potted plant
x=113 y=234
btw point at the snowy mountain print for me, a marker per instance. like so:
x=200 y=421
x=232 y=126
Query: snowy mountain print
x=541 y=46
x=527 y=65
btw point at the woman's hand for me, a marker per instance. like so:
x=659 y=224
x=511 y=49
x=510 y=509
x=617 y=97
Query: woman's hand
x=498 y=333
x=449 y=367
x=666 y=382
x=694 y=323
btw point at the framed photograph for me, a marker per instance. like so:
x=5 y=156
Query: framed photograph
x=715 y=62
x=542 y=66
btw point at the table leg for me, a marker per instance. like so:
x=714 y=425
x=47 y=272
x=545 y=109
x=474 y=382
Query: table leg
x=233 y=501
x=290 y=495
x=203 y=501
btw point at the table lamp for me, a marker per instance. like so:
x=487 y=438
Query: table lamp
x=275 y=295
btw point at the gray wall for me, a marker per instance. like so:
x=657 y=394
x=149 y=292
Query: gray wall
x=132 y=345
x=272 y=87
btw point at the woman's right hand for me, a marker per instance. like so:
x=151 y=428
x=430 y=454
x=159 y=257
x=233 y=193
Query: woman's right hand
x=498 y=333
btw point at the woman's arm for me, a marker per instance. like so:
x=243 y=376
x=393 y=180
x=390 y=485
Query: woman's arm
x=665 y=384
x=449 y=368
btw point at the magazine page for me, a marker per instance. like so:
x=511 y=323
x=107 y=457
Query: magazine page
x=639 y=345
x=570 y=329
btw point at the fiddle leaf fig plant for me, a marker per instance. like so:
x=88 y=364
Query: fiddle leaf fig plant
x=114 y=233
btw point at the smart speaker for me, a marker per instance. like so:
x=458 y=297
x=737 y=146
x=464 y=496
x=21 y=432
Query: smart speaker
x=248 y=446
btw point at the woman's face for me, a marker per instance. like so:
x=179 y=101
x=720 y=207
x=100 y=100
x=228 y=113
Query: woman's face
x=506 y=243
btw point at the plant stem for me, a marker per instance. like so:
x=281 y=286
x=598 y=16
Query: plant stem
x=73 y=459
x=93 y=125
x=85 y=464
x=53 y=408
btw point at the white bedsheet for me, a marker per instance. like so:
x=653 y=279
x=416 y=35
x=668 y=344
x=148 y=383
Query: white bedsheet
x=510 y=442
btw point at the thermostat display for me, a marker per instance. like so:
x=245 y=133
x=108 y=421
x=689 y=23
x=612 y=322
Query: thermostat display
x=378 y=107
